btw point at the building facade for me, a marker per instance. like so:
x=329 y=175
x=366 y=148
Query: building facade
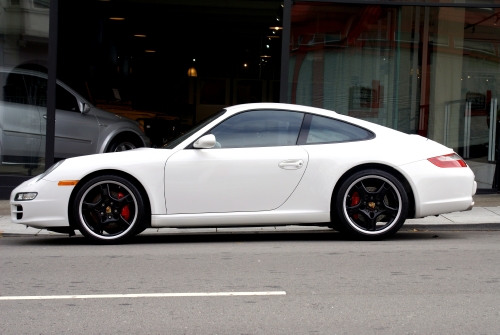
x=428 y=68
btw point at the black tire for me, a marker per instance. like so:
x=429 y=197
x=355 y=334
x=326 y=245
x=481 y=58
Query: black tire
x=122 y=144
x=108 y=209
x=370 y=204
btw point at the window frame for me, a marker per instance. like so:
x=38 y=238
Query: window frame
x=306 y=126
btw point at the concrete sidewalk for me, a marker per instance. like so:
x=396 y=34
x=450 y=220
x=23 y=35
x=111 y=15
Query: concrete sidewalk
x=484 y=216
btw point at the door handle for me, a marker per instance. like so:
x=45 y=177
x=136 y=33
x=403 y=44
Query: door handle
x=291 y=164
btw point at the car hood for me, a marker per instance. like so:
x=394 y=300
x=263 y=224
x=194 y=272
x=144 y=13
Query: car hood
x=108 y=117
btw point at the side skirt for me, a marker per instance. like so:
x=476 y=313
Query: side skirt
x=267 y=218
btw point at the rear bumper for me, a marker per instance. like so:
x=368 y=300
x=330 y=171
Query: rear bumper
x=440 y=190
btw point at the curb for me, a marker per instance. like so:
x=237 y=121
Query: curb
x=452 y=227
x=183 y=232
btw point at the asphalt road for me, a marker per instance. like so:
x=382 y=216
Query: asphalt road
x=417 y=282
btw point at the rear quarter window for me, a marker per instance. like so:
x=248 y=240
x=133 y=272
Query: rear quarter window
x=326 y=130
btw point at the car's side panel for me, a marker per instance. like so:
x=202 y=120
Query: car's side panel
x=329 y=162
x=76 y=133
x=233 y=179
x=19 y=131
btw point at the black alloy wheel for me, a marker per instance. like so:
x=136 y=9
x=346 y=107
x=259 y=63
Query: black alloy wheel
x=370 y=204
x=109 y=209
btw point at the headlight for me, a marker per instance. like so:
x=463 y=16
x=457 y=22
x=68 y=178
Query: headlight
x=52 y=168
x=25 y=196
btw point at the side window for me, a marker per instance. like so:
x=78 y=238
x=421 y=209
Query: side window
x=37 y=93
x=37 y=90
x=259 y=128
x=65 y=100
x=14 y=89
x=326 y=130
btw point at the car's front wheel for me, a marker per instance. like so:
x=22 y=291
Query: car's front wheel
x=108 y=209
x=122 y=145
x=370 y=204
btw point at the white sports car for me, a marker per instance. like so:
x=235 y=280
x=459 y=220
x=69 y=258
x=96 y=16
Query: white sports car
x=253 y=165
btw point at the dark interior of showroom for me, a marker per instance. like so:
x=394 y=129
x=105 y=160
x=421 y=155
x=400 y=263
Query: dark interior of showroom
x=181 y=59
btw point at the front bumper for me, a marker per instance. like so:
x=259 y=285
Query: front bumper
x=48 y=209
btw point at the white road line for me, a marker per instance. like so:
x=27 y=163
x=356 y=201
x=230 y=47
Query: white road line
x=142 y=295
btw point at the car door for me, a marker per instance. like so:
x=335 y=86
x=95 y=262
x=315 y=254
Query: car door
x=255 y=166
x=76 y=133
x=20 y=122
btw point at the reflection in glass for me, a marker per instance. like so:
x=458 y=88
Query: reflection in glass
x=24 y=26
x=425 y=70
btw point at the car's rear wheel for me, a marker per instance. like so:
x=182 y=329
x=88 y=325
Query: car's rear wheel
x=108 y=209
x=370 y=204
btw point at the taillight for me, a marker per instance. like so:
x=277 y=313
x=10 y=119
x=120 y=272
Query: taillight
x=448 y=161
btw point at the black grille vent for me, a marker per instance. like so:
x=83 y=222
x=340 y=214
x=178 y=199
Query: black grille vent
x=19 y=212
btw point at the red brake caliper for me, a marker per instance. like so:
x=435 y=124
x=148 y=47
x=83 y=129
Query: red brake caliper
x=355 y=199
x=125 y=213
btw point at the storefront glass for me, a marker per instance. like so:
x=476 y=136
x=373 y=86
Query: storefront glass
x=24 y=32
x=431 y=71
x=136 y=58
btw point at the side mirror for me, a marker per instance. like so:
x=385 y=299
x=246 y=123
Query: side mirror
x=84 y=108
x=205 y=142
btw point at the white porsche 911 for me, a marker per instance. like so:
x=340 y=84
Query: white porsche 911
x=253 y=165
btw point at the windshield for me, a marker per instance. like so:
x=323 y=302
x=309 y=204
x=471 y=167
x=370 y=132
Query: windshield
x=172 y=144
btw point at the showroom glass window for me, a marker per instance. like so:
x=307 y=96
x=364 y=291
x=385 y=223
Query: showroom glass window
x=432 y=71
x=260 y=128
x=24 y=27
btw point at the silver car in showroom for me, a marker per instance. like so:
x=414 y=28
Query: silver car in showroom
x=81 y=128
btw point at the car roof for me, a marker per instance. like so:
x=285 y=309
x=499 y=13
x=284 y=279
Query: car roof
x=280 y=106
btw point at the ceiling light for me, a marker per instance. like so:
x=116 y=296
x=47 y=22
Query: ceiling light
x=265 y=56
x=117 y=18
x=192 y=72
x=139 y=35
x=276 y=28
x=149 y=50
